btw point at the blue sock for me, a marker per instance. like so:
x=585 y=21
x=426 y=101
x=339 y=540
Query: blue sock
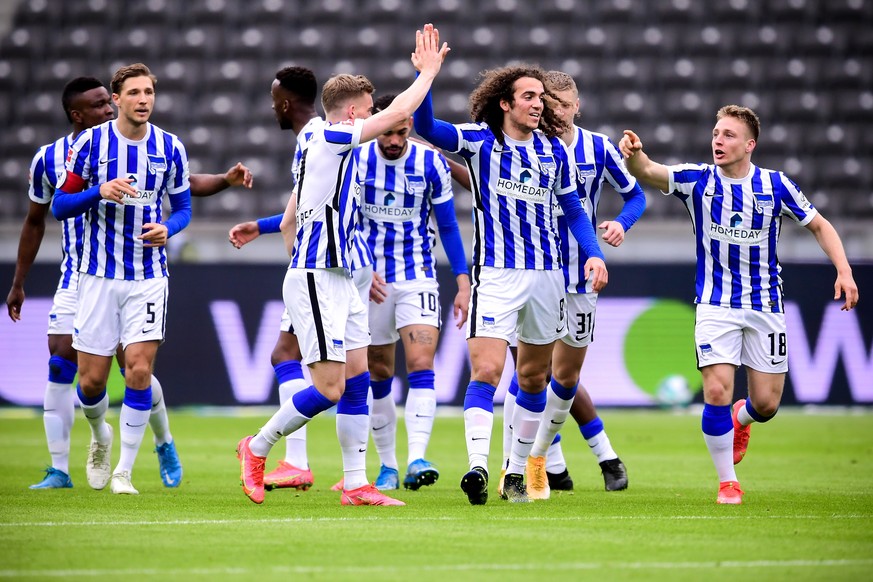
x=354 y=398
x=91 y=400
x=716 y=420
x=288 y=370
x=138 y=399
x=557 y=439
x=62 y=371
x=513 y=384
x=479 y=395
x=533 y=402
x=563 y=392
x=754 y=413
x=310 y=402
x=592 y=428
x=421 y=379
x=381 y=388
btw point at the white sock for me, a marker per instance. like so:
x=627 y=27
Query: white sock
x=508 y=411
x=383 y=422
x=95 y=414
x=285 y=421
x=351 y=430
x=158 y=420
x=295 y=443
x=556 y=412
x=721 y=449
x=59 y=410
x=601 y=447
x=420 y=413
x=555 y=462
x=478 y=423
x=132 y=424
x=744 y=417
x=525 y=424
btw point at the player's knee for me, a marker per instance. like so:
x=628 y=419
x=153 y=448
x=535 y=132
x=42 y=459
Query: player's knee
x=533 y=382
x=764 y=411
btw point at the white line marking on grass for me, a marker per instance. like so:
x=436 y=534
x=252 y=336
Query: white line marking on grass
x=475 y=567
x=417 y=519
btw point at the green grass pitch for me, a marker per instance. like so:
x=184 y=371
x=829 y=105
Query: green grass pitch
x=807 y=514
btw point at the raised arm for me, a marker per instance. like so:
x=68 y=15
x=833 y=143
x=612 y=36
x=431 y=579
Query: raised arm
x=427 y=58
x=639 y=164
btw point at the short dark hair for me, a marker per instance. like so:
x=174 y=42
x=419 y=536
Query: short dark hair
x=382 y=102
x=300 y=81
x=75 y=88
x=129 y=72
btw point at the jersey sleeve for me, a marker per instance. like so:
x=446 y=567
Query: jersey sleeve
x=344 y=136
x=615 y=170
x=178 y=180
x=41 y=186
x=471 y=136
x=682 y=178
x=440 y=178
x=794 y=204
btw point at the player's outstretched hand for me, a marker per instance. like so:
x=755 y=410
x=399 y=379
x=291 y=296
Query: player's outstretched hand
x=378 y=289
x=115 y=190
x=14 y=301
x=429 y=55
x=154 y=234
x=629 y=144
x=243 y=233
x=595 y=271
x=614 y=234
x=239 y=175
x=845 y=284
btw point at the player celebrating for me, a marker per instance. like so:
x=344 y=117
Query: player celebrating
x=326 y=310
x=127 y=165
x=596 y=161
x=87 y=103
x=403 y=182
x=518 y=167
x=736 y=209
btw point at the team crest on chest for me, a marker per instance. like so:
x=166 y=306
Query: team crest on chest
x=547 y=164
x=157 y=164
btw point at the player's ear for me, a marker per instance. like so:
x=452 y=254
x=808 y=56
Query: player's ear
x=750 y=146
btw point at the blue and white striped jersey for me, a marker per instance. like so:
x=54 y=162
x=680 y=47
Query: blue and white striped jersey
x=328 y=198
x=159 y=165
x=594 y=160
x=397 y=199
x=736 y=227
x=46 y=170
x=361 y=255
x=513 y=190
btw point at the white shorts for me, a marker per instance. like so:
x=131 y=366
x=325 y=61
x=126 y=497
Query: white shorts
x=363 y=278
x=113 y=311
x=326 y=310
x=754 y=339
x=581 y=308
x=63 y=312
x=415 y=302
x=506 y=301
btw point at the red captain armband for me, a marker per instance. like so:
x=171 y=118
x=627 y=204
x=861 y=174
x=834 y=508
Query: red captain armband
x=71 y=183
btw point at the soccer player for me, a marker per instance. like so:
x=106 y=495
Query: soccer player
x=293 y=92
x=117 y=174
x=518 y=167
x=736 y=210
x=87 y=103
x=596 y=162
x=328 y=315
x=403 y=184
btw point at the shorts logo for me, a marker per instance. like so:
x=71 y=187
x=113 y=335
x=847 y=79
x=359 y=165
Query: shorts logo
x=705 y=349
x=338 y=343
x=487 y=321
x=53 y=316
